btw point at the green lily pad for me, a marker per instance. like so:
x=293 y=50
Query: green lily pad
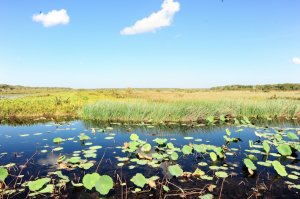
x=292 y=136
x=284 y=149
x=134 y=137
x=174 y=156
x=280 y=169
x=89 y=180
x=104 y=184
x=84 y=137
x=213 y=156
x=207 y=196
x=160 y=141
x=57 y=140
x=166 y=188
x=86 y=166
x=266 y=146
x=3 y=174
x=74 y=160
x=199 y=148
x=175 y=170
x=146 y=148
x=186 y=150
x=221 y=174
x=170 y=145
x=139 y=180
x=198 y=172
x=249 y=164
x=38 y=184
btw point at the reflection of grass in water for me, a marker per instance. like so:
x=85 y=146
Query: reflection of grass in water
x=156 y=104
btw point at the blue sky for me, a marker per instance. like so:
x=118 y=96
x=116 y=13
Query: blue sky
x=201 y=43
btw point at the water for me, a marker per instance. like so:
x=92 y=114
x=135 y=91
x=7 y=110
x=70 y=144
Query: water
x=20 y=143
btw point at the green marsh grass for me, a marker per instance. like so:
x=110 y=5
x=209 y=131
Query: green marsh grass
x=140 y=110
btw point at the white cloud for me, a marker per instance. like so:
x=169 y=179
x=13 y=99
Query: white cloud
x=296 y=60
x=52 y=18
x=156 y=20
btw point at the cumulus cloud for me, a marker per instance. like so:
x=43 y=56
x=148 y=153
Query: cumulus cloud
x=52 y=18
x=296 y=60
x=156 y=20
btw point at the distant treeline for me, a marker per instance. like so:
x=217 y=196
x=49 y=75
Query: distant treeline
x=266 y=87
x=13 y=87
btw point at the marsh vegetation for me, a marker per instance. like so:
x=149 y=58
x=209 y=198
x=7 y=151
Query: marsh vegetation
x=159 y=105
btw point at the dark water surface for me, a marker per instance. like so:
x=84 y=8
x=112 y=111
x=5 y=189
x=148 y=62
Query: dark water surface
x=19 y=143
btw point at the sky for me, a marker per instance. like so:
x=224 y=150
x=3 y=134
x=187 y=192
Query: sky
x=149 y=43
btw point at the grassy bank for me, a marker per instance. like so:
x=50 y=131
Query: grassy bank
x=148 y=104
x=141 y=110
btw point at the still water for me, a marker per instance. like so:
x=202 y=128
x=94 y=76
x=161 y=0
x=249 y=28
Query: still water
x=30 y=149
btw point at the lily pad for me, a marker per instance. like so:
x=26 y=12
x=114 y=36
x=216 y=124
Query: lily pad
x=284 y=149
x=57 y=140
x=134 y=137
x=186 y=150
x=146 y=148
x=139 y=180
x=174 y=156
x=160 y=141
x=221 y=174
x=3 y=174
x=249 y=164
x=89 y=180
x=213 y=156
x=38 y=184
x=175 y=170
x=104 y=184
x=280 y=169
x=292 y=136
x=266 y=146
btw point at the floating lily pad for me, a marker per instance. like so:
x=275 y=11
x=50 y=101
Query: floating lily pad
x=3 y=174
x=266 y=146
x=213 y=156
x=174 y=156
x=104 y=184
x=160 y=141
x=221 y=174
x=186 y=150
x=284 y=149
x=134 y=137
x=57 y=140
x=292 y=136
x=89 y=180
x=175 y=170
x=249 y=164
x=280 y=169
x=139 y=180
x=146 y=148
x=38 y=184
